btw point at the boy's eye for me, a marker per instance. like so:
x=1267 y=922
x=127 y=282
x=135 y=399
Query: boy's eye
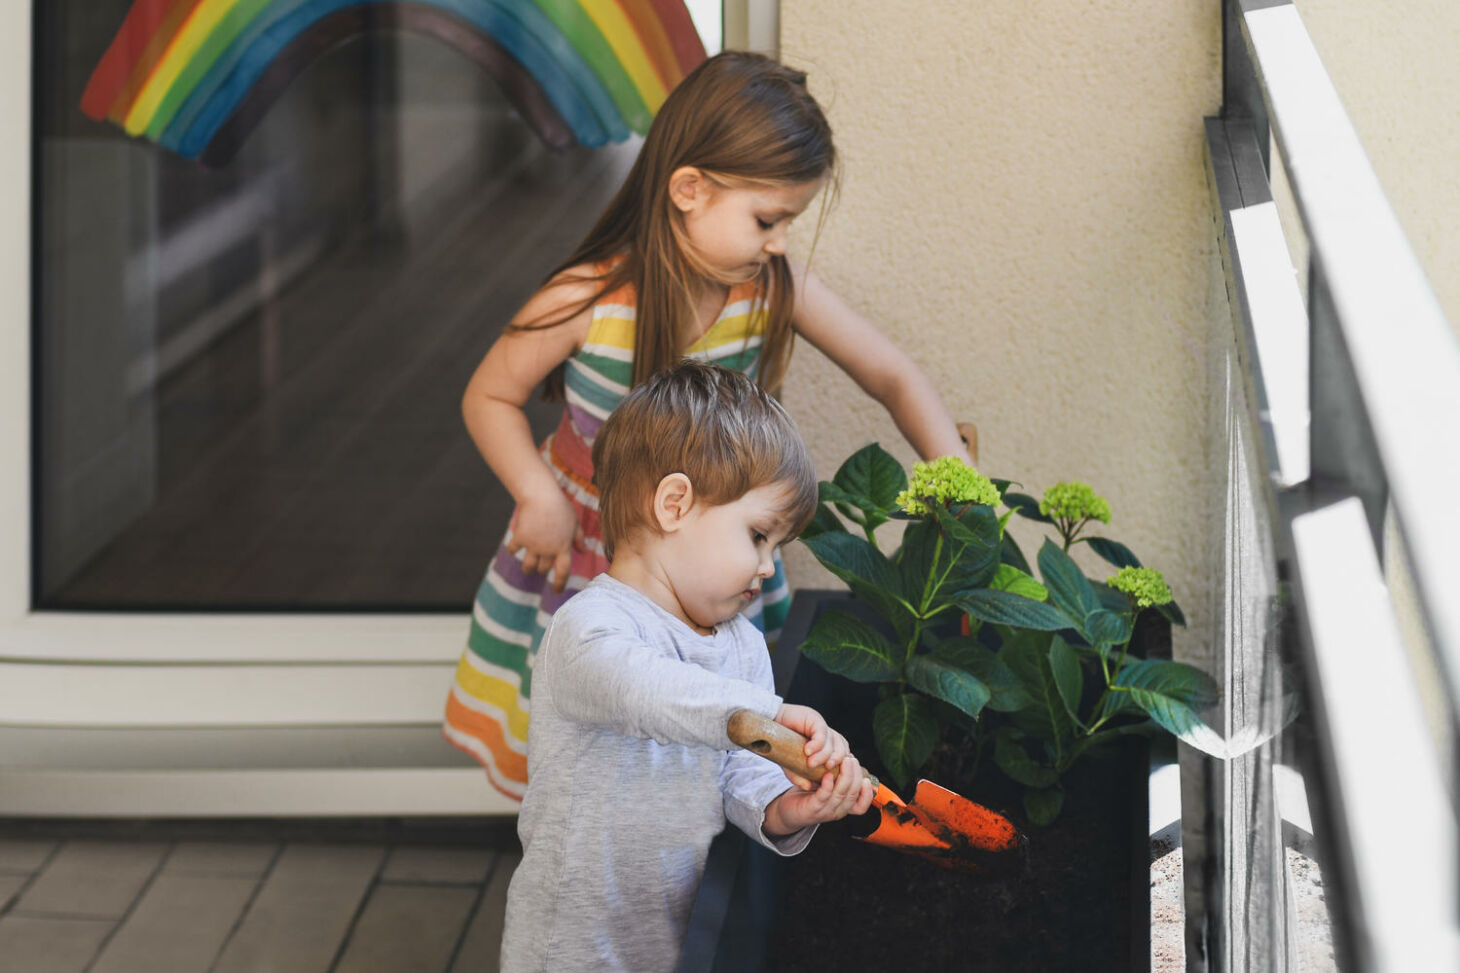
x=758 y=537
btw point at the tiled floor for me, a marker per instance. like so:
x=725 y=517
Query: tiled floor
x=90 y=904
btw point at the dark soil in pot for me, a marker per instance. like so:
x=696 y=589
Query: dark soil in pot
x=848 y=905
x=1077 y=902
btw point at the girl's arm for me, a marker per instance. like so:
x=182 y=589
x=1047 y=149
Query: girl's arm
x=877 y=365
x=546 y=525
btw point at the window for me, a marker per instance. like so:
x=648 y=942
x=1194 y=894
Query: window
x=254 y=319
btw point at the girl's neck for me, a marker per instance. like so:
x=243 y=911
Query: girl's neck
x=708 y=304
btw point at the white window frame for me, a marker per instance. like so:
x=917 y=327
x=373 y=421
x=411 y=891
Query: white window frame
x=164 y=676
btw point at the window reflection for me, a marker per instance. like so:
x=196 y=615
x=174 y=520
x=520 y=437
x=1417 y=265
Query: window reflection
x=248 y=375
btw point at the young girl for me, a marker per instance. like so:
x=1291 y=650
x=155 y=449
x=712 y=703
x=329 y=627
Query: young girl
x=689 y=259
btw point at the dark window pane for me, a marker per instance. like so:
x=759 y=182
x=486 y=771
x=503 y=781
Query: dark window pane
x=249 y=375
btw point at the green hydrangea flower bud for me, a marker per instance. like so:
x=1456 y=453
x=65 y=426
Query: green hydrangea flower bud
x=1145 y=586
x=946 y=479
x=1074 y=501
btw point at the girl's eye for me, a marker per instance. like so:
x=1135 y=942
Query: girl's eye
x=763 y=224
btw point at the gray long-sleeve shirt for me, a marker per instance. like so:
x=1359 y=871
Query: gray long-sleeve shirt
x=630 y=776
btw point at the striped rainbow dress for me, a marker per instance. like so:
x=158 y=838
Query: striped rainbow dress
x=487 y=709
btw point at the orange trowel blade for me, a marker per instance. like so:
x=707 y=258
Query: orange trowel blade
x=899 y=828
x=943 y=827
x=960 y=821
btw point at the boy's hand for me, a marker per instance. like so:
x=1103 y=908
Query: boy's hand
x=824 y=746
x=848 y=791
x=546 y=530
x=845 y=790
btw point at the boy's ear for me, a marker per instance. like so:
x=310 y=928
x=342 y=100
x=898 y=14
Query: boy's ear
x=673 y=499
x=688 y=188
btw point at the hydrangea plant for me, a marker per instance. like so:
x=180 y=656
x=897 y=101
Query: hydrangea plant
x=1040 y=667
x=1145 y=586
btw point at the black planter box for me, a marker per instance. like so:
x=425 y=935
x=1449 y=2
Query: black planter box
x=742 y=902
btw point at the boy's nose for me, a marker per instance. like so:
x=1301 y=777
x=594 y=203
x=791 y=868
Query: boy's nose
x=767 y=567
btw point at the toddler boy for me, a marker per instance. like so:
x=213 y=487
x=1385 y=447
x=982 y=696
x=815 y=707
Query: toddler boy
x=701 y=475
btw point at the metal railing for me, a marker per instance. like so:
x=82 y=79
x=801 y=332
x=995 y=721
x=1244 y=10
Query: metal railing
x=1350 y=403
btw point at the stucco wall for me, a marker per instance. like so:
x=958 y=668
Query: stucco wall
x=1024 y=209
x=1395 y=67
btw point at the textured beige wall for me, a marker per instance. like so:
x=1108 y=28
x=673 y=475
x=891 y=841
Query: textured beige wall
x=1395 y=65
x=1024 y=209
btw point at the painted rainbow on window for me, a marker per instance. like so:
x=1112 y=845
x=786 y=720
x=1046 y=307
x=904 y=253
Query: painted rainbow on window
x=195 y=76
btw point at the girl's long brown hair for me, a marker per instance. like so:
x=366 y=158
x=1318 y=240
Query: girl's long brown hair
x=740 y=118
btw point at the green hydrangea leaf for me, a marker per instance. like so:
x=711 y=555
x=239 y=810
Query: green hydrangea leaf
x=1069 y=680
x=1172 y=611
x=1025 y=506
x=846 y=645
x=1017 y=582
x=873 y=476
x=954 y=686
x=1171 y=693
x=1105 y=629
x=1004 y=608
x=975 y=526
x=1068 y=587
x=823 y=522
x=1042 y=805
x=966 y=549
x=870 y=575
x=853 y=507
x=1114 y=552
x=934 y=568
x=1177 y=680
x=1026 y=653
x=906 y=732
x=1014 y=760
x=1006 y=693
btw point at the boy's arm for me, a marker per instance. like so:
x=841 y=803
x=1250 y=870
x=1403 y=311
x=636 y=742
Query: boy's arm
x=605 y=674
x=751 y=784
x=758 y=797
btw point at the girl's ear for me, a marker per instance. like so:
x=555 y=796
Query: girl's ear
x=688 y=188
x=673 y=499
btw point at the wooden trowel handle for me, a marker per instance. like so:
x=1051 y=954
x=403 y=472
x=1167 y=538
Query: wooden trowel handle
x=779 y=744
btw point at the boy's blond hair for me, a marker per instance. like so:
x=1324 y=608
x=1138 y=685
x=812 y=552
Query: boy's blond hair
x=715 y=426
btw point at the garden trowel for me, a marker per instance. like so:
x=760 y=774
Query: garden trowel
x=936 y=824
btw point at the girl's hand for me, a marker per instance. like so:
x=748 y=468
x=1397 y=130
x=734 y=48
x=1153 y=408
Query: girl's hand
x=848 y=791
x=546 y=530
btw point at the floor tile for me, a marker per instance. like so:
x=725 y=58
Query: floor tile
x=32 y=945
x=220 y=858
x=91 y=878
x=303 y=911
x=480 y=951
x=440 y=865
x=24 y=855
x=178 y=926
x=408 y=927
